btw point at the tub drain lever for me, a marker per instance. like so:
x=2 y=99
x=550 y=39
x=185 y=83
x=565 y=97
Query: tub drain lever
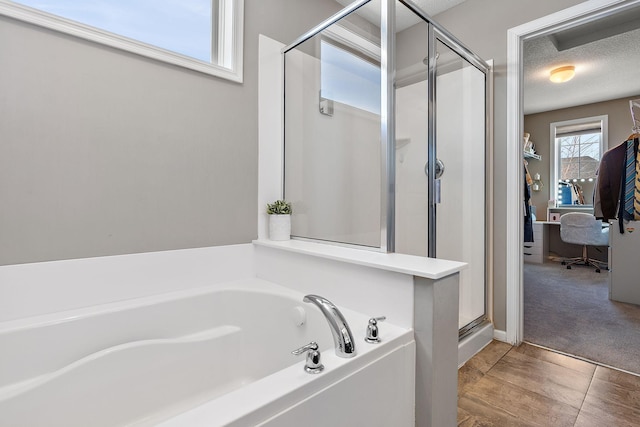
x=372 y=335
x=313 y=365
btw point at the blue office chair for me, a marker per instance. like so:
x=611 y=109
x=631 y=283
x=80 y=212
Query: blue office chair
x=583 y=229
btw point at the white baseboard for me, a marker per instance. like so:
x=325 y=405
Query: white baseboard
x=472 y=344
x=500 y=335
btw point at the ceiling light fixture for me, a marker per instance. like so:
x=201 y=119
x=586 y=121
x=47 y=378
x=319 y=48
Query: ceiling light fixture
x=562 y=74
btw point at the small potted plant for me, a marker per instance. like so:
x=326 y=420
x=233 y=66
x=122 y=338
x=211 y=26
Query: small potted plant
x=279 y=220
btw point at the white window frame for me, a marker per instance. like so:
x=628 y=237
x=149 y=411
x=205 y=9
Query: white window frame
x=554 y=148
x=229 y=36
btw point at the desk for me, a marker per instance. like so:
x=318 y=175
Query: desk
x=538 y=251
x=563 y=209
x=546 y=240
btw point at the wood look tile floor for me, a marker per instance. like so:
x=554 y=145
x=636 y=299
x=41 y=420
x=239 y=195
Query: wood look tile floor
x=530 y=386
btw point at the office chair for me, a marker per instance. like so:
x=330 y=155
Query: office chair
x=583 y=229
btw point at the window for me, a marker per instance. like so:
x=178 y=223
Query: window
x=350 y=70
x=204 y=35
x=578 y=147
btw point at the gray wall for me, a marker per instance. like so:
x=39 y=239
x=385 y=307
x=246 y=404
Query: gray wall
x=482 y=25
x=537 y=125
x=103 y=152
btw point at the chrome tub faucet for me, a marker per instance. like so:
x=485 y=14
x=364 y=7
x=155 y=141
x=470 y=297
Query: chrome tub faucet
x=342 y=336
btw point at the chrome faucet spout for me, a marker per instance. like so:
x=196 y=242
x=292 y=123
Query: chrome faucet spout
x=342 y=336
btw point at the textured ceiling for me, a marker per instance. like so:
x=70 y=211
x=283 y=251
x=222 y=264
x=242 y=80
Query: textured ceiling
x=606 y=69
x=607 y=64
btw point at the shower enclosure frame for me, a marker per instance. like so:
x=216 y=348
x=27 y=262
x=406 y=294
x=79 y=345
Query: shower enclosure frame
x=387 y=128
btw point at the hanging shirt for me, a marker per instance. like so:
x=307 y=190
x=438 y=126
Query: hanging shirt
x=608 y=184
x=627 y=183
x=528 y=219
x=636 y=192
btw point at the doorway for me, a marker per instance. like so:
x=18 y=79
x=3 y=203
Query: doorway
x=589 y=11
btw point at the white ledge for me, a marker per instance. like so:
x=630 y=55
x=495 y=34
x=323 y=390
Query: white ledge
x=430 y=268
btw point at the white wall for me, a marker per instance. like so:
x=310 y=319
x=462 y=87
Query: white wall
x=370 y=291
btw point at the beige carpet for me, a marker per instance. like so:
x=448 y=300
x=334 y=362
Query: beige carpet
x=569 y=311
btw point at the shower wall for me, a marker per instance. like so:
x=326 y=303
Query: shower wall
x=461 y=214
x=411 y=180
x=332 y=152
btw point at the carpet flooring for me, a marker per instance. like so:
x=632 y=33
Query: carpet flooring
x=570 y=311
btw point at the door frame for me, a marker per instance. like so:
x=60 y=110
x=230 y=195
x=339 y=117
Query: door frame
x=588 y=11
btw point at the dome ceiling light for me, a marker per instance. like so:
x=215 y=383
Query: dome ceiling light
x=562 y=74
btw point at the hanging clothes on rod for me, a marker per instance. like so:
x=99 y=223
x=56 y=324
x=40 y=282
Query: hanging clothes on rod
x=607 y=194
x=634 y=106
x=528 y=217
x=617 y=185
x=627 y=183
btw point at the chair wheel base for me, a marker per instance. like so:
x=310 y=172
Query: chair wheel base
x=597 y=270
x=568 y=267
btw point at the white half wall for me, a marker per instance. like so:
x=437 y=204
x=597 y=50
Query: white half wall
x=368 y=290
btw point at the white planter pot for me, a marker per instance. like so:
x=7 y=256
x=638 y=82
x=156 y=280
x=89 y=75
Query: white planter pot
x=279 y=227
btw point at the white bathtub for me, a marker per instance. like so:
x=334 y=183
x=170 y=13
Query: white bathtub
x=214 y=356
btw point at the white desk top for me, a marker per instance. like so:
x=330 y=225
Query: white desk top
x=604 y=224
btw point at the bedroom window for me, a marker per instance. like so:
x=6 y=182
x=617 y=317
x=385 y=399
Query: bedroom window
x=204 y=35
x=579 y=145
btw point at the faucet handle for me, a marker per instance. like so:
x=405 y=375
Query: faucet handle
x=372 y=336
x=313 y=365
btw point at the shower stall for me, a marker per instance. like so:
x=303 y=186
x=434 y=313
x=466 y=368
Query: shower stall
x=386 y=125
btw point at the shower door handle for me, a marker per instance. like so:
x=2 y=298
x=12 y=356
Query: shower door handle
x=438 y=182
x=439 y=168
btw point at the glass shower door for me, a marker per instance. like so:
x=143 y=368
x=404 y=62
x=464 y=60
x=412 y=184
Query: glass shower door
x=458 y=205
x=440 y=111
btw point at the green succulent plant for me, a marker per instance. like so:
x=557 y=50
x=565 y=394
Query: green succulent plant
x=279 y=207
